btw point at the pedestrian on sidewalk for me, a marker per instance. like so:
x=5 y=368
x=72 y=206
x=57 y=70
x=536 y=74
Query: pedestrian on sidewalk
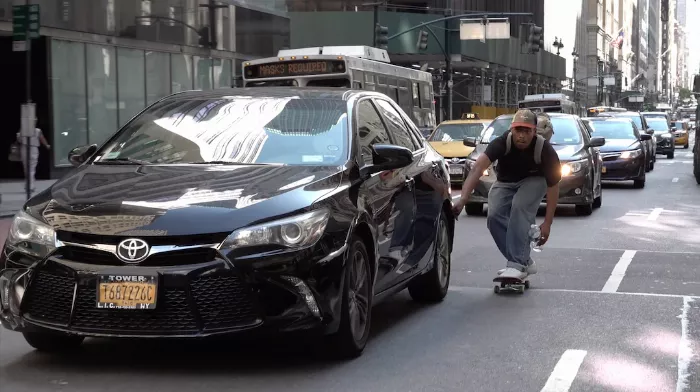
x=34 y=142
x=525 y=174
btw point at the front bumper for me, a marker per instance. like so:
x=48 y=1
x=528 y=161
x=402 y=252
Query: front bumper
x=665 y=145
x=205 y=295
x=457 y=168
x=681 y=139
x=618 y=169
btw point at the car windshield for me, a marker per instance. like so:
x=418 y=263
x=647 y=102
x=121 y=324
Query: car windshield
x=456 y=132
x=235 y=130
x=635 y=117
x=658 y=124
x=565 y=131
x=497 y=128
x=613 y=129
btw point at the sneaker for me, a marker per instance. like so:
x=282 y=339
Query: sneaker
x=513 y=273
x=531 y=269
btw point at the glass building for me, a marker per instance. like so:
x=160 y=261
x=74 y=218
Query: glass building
x=100 y=62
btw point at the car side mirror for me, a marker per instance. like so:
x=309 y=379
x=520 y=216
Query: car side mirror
x=650 y=131
x=79 y=155
x=469 y=142
x=389 y=157
x=597 y=141
x=645 y=136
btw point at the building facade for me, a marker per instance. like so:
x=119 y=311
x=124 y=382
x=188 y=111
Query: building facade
x=653 y=73
x=100 y=62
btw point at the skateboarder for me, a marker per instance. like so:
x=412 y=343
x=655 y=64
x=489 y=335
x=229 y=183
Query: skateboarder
x=523 y=179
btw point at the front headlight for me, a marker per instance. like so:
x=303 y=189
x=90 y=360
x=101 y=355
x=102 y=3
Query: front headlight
x=30 y=236
x=666 y=136
x=630 y=154
x=296 y=232
x=570 y=168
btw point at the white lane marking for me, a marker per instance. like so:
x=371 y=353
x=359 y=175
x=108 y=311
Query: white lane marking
x=685 y=351
x=654 y=214
x=637 y=250
x=618 y=272
x=565 y=371
x=675 y=179
x=464 y=289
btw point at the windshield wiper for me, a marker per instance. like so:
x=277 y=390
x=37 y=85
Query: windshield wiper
x=121 y=161
x=217 y=163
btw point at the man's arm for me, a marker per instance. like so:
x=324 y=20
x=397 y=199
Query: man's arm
x=552 y=200
x=482 y=163
x=552 y=173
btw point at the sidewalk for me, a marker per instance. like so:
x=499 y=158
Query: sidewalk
x=13 y=196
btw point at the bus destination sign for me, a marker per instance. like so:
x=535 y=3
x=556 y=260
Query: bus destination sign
x=294 y=68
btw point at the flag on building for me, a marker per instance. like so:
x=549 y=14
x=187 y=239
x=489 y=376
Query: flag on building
x=617 y=42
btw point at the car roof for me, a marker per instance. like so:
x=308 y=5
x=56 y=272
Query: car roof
x=332 y=93
x=614 y=119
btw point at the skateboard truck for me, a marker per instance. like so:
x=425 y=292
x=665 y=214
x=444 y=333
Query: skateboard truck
x=511 y=285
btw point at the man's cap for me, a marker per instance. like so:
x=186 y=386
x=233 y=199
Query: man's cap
x=524 y=118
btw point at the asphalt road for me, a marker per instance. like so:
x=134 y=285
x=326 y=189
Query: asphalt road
x=613 y=308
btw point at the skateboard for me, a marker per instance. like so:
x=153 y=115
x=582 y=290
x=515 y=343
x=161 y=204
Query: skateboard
x=511 y=285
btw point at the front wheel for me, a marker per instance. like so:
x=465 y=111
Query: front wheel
x=432 y=286
x=670 y=155
x=52 y=342
x=356 y=309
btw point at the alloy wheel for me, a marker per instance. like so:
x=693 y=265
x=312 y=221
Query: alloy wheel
x=358 y=296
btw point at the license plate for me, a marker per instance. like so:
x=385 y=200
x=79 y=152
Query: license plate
x=456 y=170
x=127 y=292
x=604 y=169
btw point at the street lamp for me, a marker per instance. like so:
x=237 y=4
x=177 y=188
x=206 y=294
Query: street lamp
x=558 y=44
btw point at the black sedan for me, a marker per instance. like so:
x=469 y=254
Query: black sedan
x=624 y=155
x=641 y=123
x=578 y=153
x=264 y=209
x=665 y=139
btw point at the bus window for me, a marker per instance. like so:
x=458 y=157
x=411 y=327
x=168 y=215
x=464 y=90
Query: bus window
x=416 y=95
x=335 y=82
x=394 y=94
x=405 y=97
x=273 y=83
x=426 y=103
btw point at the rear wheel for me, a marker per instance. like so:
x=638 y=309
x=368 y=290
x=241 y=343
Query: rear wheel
x=432 y=286
x=474 y=208
x=355 y=318
x=52 y=342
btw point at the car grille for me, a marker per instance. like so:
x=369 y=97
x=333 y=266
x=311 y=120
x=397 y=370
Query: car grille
x=204 y=304
x=185 y=240
x=610 y=156
x=164 y=259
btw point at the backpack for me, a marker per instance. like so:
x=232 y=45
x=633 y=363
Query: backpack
x=544 y=132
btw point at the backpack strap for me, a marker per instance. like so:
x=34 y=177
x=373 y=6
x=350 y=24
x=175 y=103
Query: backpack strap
x=508 y=143
x=539 y=145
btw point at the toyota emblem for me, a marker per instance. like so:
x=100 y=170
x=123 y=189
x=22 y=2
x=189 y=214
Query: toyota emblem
x=455 y=160
x=132 y=250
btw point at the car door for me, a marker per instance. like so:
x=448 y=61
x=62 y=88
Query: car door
x=431 y=187
x=594 y=158
x=388 y=197
x=399 y=134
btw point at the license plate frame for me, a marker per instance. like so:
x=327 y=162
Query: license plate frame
x=456 y=170
x=127 y=292
x=604 y=170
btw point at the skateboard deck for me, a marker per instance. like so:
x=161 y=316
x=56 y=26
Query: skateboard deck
x=511 y=285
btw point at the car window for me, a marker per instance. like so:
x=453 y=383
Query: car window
x=370 y=129
x=395 y=125
x=634 y=117
x=456 y=132
x=497 y=128
x=613 y=129
x=658 y=124
x=565 y=131
x=235 y=129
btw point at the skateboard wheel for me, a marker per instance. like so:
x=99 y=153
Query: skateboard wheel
x=496 y=289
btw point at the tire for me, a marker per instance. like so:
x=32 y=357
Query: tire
x=687 y=145
x=639 y=184
x=584 y=209
x=351 y=338
x=670 y=155
x=474 y=208
x=53 y=342
x=652 y=165
x=433 y=285
x=598 y=201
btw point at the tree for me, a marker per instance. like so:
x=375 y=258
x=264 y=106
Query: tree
x=684 y=93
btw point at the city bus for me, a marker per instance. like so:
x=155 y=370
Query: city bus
x=548 y=103
x=358 y=67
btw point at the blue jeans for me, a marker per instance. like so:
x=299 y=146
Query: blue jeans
x=512 y=208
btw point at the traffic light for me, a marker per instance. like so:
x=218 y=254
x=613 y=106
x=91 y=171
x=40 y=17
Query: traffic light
x=535 y=41
x=204 y=36
x=382 y=37
x=422 y=40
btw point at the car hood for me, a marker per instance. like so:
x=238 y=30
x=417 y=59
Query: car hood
x=619 y=145
x=454 y=149
x=178 y=199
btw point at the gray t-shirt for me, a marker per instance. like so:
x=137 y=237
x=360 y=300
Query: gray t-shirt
x=33 y=141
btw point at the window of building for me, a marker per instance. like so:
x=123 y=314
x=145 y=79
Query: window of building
x=132 y=82
x=181 y=69
x=69 y=98
x=157 y=76
x=102 y=92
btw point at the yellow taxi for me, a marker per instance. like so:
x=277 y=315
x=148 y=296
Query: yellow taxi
x=680 y=129
x=448 y=140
